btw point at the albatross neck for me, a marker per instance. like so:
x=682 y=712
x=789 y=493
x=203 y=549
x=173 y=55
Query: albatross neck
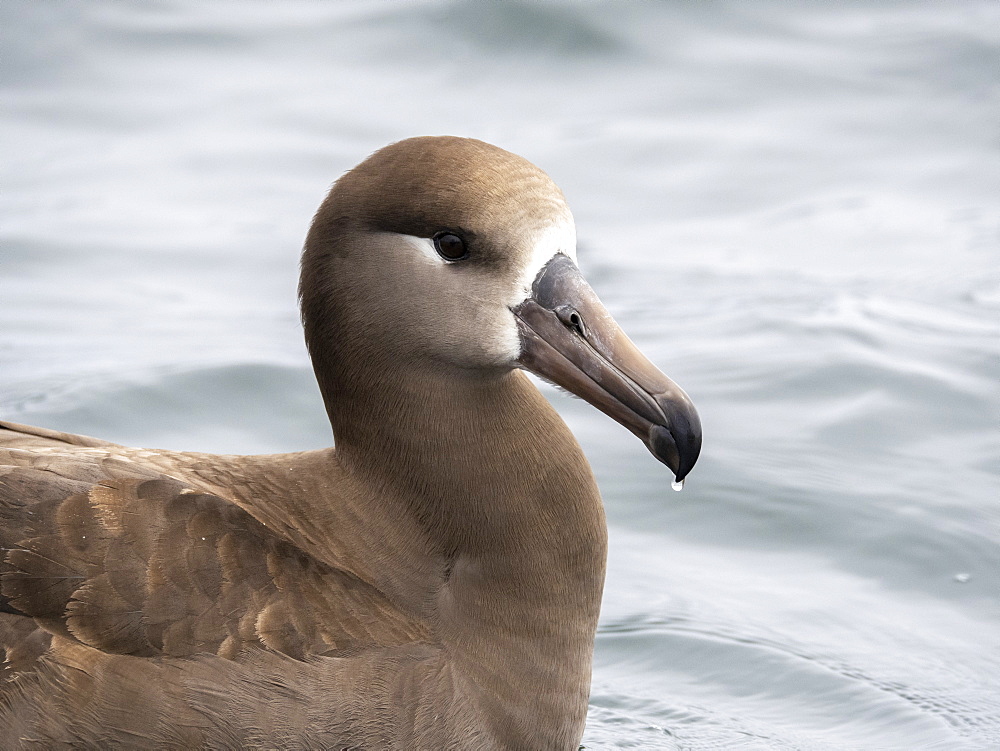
x=481 y=456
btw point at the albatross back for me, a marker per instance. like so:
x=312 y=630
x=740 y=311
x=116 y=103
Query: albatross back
x=167 y=615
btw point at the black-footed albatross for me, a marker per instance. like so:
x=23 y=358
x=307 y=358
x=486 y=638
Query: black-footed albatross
x=432 y=582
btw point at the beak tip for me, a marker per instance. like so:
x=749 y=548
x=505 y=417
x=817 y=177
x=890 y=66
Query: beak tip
x=679 y=455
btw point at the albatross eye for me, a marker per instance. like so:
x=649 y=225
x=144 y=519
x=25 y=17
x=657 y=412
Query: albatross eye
x=450 y=246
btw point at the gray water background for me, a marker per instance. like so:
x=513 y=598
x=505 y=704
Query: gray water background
x=793 y=208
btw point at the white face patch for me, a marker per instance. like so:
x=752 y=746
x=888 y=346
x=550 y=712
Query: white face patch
x=558 y=237
x=424 y=246
x=498 y=339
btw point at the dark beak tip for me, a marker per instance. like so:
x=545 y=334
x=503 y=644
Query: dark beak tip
x=689 y=458
x=679 y=458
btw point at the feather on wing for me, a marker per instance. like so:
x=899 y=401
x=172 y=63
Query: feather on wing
x=131 y=561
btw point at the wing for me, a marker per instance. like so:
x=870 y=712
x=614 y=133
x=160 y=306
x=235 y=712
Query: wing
x=121 y=557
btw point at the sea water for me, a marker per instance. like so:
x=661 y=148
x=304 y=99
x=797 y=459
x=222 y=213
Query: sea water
x=794 y=210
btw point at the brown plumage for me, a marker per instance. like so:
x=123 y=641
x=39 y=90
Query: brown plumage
x=432 y=583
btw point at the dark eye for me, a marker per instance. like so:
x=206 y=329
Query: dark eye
x=450 y=246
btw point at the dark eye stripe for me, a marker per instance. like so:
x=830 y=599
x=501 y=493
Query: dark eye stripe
x=450 y=246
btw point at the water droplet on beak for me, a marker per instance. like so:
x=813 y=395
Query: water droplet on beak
x=677 y=485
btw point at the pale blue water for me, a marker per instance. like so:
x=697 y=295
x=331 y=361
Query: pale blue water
x=794 y=209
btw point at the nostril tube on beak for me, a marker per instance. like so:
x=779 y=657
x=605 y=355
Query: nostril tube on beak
x=571 y=317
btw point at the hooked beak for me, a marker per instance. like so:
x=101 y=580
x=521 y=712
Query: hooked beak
x=570 y=339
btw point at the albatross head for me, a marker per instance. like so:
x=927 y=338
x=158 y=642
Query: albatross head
x=443 y=254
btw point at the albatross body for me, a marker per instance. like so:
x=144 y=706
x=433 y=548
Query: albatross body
x=432 y=582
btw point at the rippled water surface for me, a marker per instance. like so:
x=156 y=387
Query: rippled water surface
x=793 y=208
